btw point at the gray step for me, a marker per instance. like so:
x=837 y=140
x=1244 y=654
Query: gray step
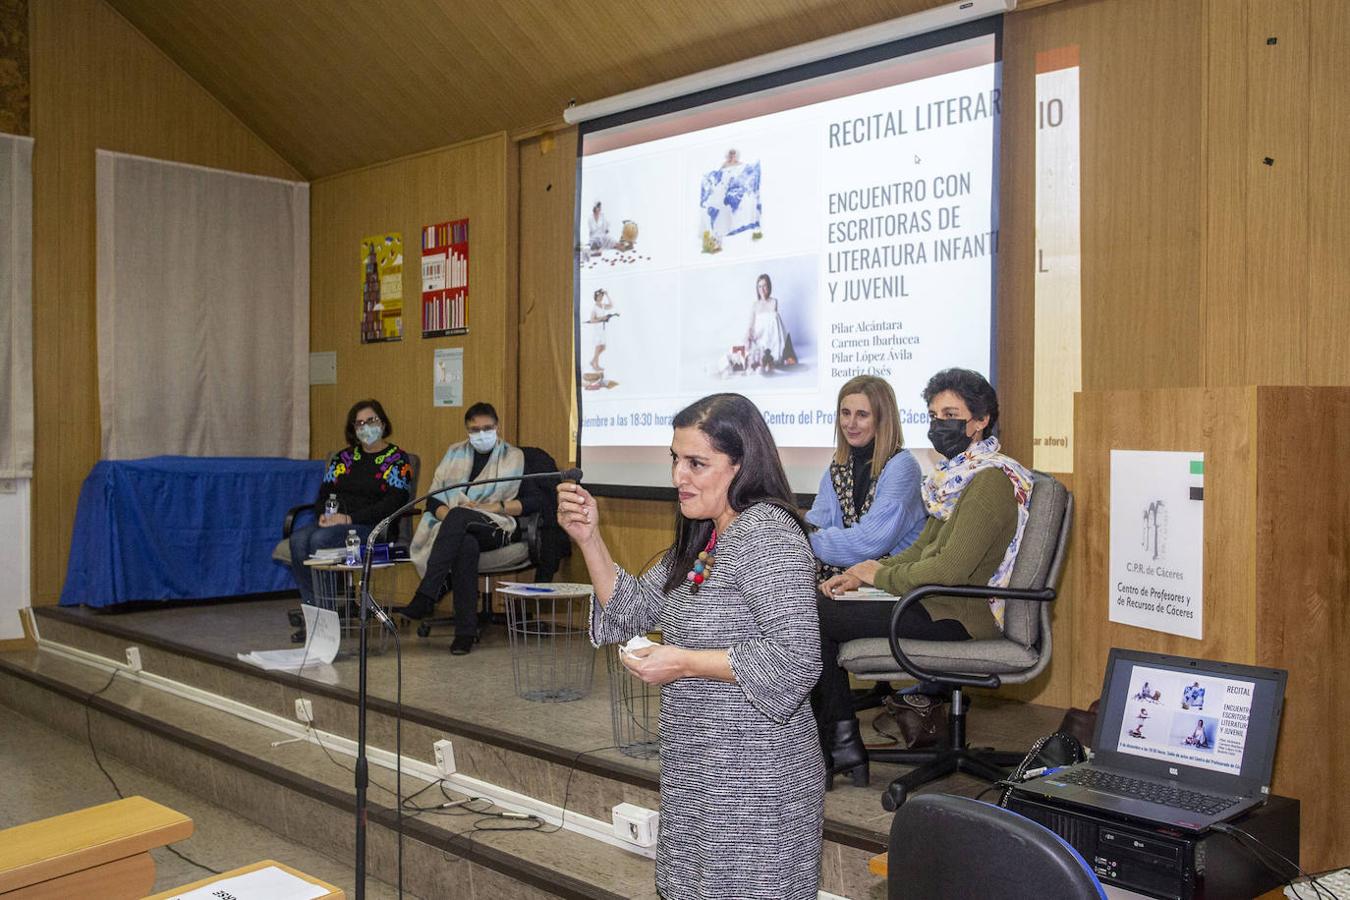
x=591 y=784
x=304 y=793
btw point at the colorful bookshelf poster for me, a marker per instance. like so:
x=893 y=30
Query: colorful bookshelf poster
x=445 y=279
x=382 y=288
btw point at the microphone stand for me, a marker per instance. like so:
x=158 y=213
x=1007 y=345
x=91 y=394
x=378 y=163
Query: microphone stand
x=370 y=607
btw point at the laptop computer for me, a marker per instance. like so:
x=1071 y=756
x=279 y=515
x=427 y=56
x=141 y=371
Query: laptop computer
x=1179 y=742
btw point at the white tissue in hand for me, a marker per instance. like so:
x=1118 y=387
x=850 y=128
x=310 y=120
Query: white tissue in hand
x=634 y=644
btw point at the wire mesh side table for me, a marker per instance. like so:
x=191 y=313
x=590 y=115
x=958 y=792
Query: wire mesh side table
x=337 y=586
x=548 y=627
x=634 y=708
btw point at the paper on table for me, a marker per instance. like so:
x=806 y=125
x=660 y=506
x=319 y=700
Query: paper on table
x=866 y=593
x=323 y=633
x=270 y=883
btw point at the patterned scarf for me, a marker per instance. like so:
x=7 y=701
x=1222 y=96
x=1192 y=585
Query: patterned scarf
x=504 y=462
x=943 y=487
x=841 y=476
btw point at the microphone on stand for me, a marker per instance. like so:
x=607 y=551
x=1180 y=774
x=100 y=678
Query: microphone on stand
x=573 y=475
x=370 y=607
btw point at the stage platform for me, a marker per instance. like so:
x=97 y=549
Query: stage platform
x=534 y=756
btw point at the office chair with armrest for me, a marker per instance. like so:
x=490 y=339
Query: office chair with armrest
x=538 y=547
x=282 y=552
x=943 y=845
x=1019 y=655
x=403 y=537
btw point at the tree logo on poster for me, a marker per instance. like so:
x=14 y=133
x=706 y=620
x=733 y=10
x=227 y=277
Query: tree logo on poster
x=1153 y=539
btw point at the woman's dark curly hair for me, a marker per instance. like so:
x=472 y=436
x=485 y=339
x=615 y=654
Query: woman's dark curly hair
x=972 y=387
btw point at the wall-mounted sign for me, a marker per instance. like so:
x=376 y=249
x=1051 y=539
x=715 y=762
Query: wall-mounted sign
x=1157 y=540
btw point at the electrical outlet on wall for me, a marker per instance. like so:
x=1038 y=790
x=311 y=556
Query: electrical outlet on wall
x=304 y=710
x=445 y=757
x=134 y=658
x=636 y=824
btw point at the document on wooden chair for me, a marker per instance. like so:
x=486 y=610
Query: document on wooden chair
x=324 y=635
x=269 y=883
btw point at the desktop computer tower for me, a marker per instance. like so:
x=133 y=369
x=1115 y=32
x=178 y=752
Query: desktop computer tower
x=1167 y=863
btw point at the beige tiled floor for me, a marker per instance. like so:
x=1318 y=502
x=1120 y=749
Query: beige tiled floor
x=48 y=773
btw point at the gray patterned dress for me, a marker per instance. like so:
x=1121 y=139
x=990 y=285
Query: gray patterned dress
x=742 y=776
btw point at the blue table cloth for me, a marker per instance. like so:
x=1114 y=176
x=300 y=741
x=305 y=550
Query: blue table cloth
x=183 y=528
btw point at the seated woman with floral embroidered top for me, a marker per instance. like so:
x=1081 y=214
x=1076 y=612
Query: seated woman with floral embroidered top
x=977 y=500
x=370 y=479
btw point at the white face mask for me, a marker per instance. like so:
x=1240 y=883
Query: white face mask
x=369 y=434
x=483 y=441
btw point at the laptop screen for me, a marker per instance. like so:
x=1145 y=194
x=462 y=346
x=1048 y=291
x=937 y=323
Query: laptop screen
x=1166 y=712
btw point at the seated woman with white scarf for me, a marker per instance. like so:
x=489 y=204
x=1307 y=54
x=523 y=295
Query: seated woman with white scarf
x=461 y=524
x=977 y=501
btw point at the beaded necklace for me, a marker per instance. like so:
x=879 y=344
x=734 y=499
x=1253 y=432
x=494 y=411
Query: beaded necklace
x=703 y=565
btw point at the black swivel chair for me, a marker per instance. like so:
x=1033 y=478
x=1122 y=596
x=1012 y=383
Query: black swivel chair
x=1018 y=655
x=401 y=539
x=541 y=545
x=947 y=846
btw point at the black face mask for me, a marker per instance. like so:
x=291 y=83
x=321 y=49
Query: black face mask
x=948 y=436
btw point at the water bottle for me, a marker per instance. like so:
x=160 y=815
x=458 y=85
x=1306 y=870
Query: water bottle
x=353 y=548
x=330 y=508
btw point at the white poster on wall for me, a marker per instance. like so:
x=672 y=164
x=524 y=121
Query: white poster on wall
x=1157 y=540
x=447 y=377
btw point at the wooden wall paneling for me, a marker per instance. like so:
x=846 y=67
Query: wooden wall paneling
x=547 y=235
x=1141 y=190
x=1277 y=194
x=1221 y=423
x=1227 y=162
x=338 y=86
x=467 y=180
x=1303 y=603
x=1327 y=314
x=96 y=82
x=1015 y=309
x=14 y=86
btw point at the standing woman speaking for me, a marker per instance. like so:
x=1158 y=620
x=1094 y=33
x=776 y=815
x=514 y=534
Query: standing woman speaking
x=742 y=777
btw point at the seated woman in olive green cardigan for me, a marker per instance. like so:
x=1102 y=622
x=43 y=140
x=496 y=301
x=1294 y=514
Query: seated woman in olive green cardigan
x=977 y=506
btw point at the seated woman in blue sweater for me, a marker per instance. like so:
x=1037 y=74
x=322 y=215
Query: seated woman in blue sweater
x=868 y=505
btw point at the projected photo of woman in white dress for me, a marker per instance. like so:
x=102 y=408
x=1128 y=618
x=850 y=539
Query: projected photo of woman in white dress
x=752 y=320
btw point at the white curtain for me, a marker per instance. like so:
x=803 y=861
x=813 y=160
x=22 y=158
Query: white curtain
x=203 y=311
x=16 y=306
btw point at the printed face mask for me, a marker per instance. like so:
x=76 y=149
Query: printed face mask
x=369 y=434
x=483 y=441
x=948 y=436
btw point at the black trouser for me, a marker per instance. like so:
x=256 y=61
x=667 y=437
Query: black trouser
x=464 y=534
x=847 y=620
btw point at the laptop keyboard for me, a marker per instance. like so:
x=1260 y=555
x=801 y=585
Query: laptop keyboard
x=1152 y=791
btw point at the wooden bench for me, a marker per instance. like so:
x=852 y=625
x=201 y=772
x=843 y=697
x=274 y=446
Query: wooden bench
x=333 y=892
x=102 y=851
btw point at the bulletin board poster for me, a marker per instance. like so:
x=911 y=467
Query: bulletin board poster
x=382 y=288
x=445 y=279
x=1158 y=540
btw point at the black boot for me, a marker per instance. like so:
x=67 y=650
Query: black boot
x=421 y=607
x=846 y=753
